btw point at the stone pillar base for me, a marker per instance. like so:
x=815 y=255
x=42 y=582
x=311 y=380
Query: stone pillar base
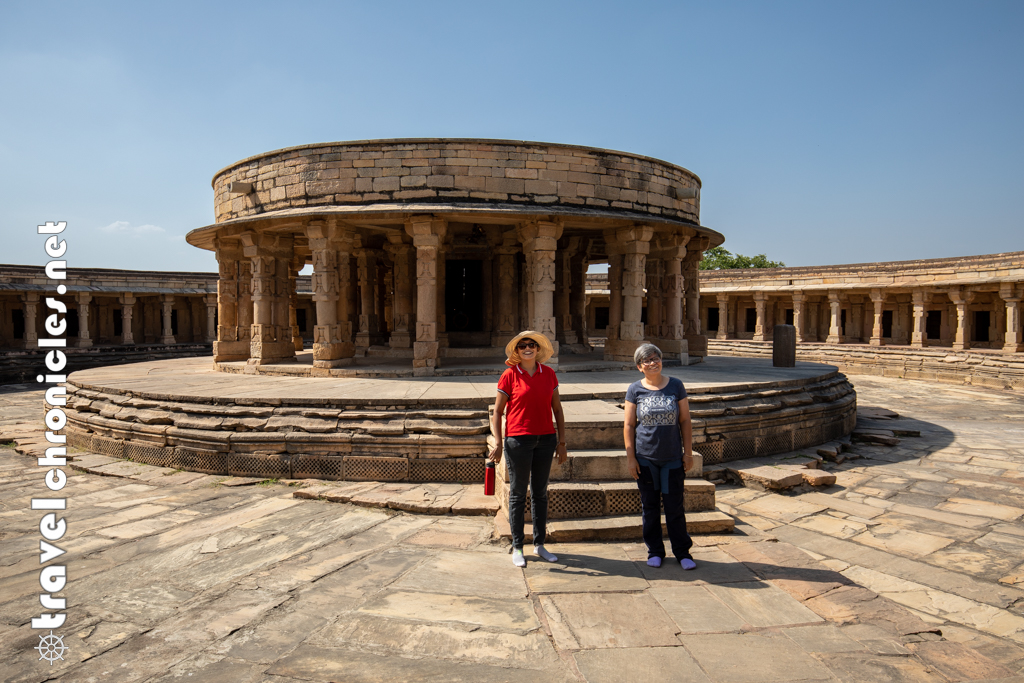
x=621 y=349
x=267 y=353
x=400 y=340
x=698 y=345
x=332 y=355
x=230 y=350
x=875 y=341
x=568 y=337
x=1013 y=348
x=832 y=339
x=425 y=358
x=333 y=363
x=83 y=343
x=168 y=340
x=498 y=341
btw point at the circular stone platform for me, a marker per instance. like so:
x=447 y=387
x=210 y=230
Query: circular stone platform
x=181 y=413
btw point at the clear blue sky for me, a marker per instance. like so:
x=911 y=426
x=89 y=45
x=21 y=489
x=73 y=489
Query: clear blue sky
x=823 y=132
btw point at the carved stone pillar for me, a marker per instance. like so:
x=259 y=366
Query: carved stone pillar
x=652 y=280
x=697 y=343
x=567 y=248
x=382 y=296
x=671 y=249
x=366 y=262
x=723 y=317
x=834 y=332
x=210 y=300
x=427 y=234
x=614 y=292
x=960 y=298
x=403 y=257
x=441 y=289
x=508 y=302
x=578 y=295
x=293 y=302
x=244 y=310
x=1013 y=338
x=232 y=339
x=759 y=304
x=332 y=334
x=270 y=256
x=634 y=245
x=30 y=304
x=84 y=337
x=798 y=315
x=166 y=328
x=540 y=241
x=127 y=302
x=878 y=299
x=917 y=335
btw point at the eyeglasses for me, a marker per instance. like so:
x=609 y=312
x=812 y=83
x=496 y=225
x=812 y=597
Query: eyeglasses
x=654 y=360
x=526 y=345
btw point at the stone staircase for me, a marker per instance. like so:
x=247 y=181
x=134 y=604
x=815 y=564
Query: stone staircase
x=593 y=497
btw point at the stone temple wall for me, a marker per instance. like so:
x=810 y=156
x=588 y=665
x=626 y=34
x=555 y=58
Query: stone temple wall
x=438 y=171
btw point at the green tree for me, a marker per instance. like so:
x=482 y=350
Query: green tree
x=720 y=258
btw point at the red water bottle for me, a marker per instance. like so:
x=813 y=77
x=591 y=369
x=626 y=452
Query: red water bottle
x=489 y=478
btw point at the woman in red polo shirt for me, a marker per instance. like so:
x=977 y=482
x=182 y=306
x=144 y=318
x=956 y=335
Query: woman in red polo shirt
x=529 y=391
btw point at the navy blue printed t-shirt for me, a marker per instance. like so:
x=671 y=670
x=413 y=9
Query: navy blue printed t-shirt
x=657 y=420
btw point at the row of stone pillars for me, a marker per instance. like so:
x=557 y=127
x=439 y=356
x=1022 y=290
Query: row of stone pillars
x=257 y=279
x=32 y=302
x=666 y=268
x=961 y=298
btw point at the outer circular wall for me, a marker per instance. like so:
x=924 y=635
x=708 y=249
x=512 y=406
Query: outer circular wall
x=457 y=171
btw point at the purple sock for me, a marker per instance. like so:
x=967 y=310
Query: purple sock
x=654 y=561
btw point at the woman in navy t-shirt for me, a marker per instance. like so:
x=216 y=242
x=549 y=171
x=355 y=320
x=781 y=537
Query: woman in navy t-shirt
x=659 y=450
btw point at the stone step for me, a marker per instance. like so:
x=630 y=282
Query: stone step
x=614 y=528
x=568 y=500
x=602 y=465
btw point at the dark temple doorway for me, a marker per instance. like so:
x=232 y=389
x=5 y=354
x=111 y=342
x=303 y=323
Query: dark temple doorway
x=464 y=303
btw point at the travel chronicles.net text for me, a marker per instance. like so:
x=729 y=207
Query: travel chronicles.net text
x=52 y=525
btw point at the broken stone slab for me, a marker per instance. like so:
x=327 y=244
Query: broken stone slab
x=768 y=478
x=874 y=413
x=818 y=477
x=474 y=502
x=879 y=437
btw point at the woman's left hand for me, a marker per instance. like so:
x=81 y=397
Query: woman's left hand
x=687 y=462
x=562 y=451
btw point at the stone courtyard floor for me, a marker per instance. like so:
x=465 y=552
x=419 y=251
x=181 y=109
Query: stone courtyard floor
x=908 y=569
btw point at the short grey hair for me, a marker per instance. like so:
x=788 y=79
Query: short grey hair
x=645 y=351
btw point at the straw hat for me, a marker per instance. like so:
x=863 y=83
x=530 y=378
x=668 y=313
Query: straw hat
x=543 y=353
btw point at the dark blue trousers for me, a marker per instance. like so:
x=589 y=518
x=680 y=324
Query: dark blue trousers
x=651 y=502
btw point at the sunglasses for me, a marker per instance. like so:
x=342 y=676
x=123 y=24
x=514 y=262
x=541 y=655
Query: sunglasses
x=526 y=345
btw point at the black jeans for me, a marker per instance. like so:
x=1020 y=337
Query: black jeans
x=529 y=462
x=675 y=515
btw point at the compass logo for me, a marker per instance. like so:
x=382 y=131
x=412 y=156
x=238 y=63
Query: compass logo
x=51 y=648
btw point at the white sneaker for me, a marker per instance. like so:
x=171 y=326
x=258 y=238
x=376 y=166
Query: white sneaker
x=543 y=553
x=517 y=558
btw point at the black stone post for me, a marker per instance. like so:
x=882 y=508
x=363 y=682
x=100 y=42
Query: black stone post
x=784 y=347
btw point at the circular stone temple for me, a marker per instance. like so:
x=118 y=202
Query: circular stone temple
x=437 y=248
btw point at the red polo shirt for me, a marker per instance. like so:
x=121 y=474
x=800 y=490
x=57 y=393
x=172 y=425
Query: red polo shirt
x=528 y=410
